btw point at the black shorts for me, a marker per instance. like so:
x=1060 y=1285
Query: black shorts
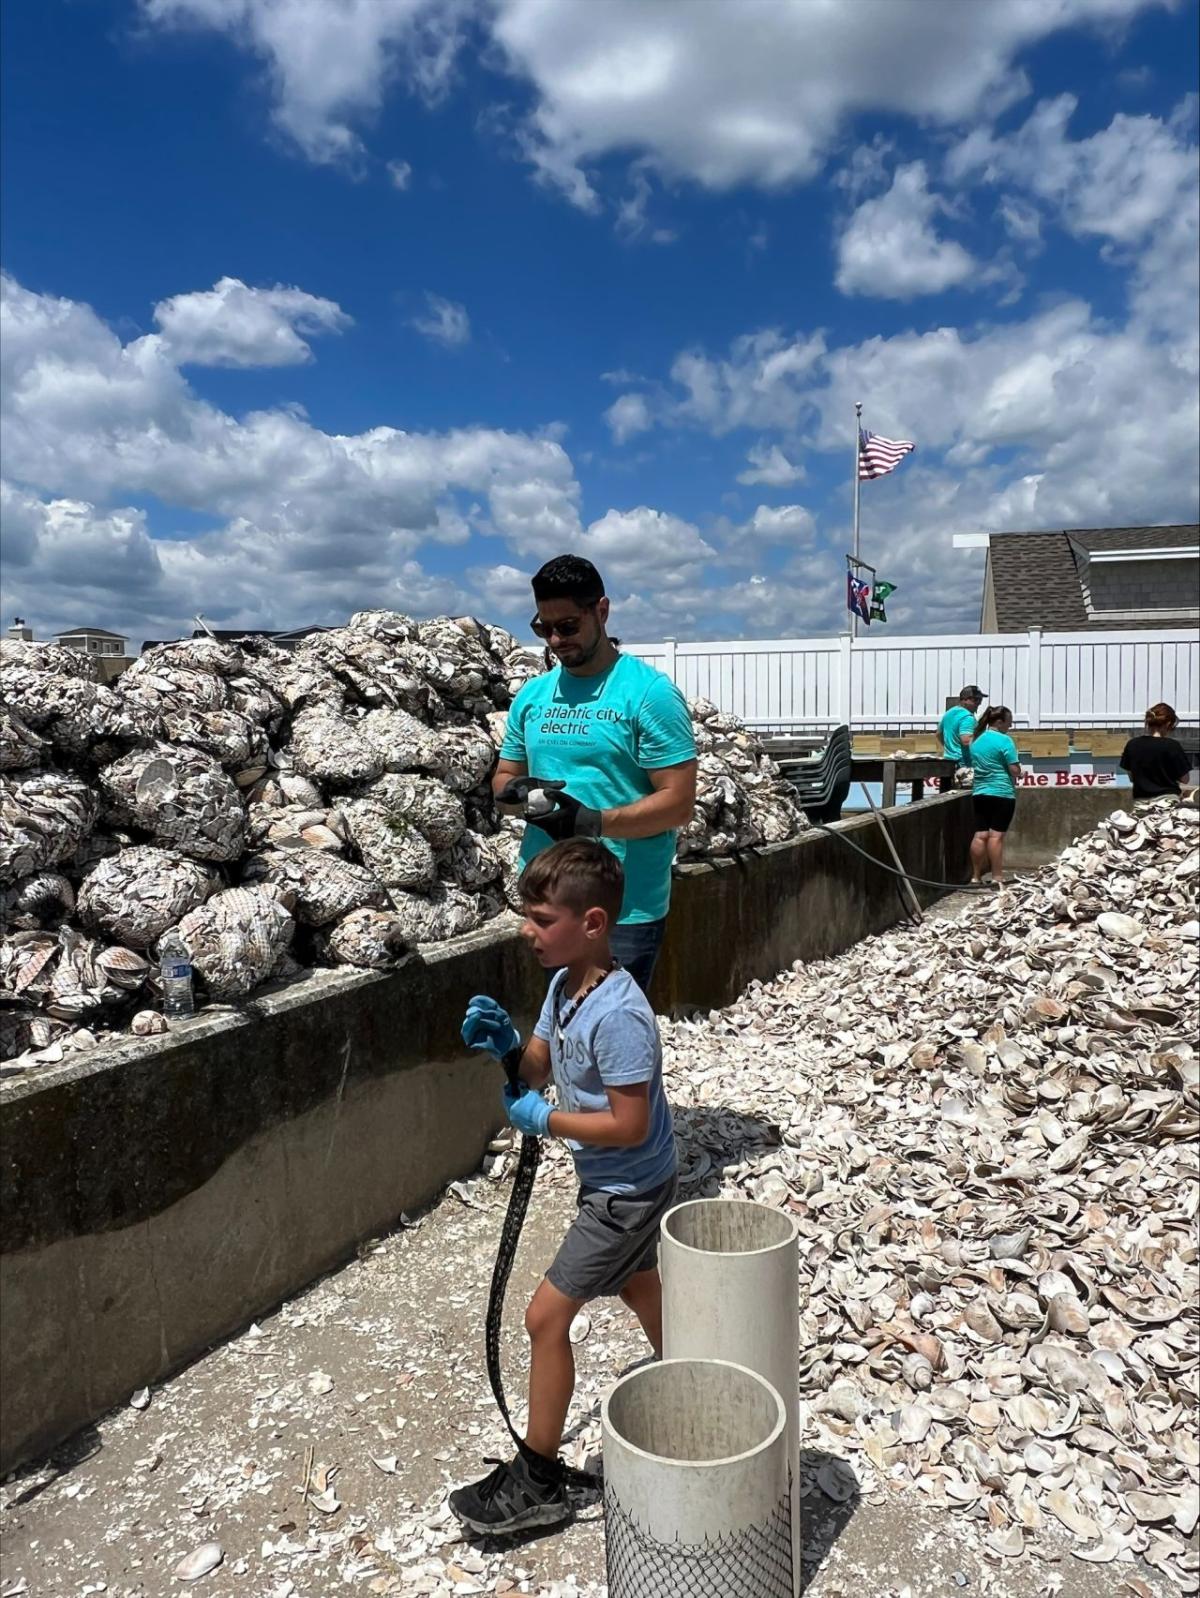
x=992 y=813
x=613 y=1237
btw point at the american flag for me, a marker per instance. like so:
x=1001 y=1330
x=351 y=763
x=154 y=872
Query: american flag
x=878 y=456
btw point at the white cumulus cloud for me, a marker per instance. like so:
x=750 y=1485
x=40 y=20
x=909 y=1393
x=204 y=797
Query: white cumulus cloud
x=648 y=549
x=627 y=416
x=786 y=524
x=749 y=91
x=890 y=247
x=306 y=525
x=769 y=466
x=330 y=62
x=233 y=325
x=443 y=321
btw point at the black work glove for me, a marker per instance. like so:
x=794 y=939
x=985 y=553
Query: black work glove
x=563 y=817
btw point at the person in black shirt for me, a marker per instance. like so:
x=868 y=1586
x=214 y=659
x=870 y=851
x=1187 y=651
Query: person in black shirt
x=1155 y=761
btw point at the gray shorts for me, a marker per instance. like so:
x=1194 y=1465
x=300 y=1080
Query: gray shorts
x=613 y=1237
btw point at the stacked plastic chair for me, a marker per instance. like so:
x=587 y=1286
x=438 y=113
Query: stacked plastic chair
x=822 y=781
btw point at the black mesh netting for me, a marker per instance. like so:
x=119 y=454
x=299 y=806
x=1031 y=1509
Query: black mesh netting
x=756 y=1563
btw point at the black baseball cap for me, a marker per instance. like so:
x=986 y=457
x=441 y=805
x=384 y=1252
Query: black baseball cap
x=973 y=691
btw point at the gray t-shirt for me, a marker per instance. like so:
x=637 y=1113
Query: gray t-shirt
x=611 y=1041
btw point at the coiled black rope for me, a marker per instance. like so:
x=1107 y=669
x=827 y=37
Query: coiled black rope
x=510 y=1237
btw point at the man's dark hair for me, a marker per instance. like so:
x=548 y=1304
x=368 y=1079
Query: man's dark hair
x=568 y=577
x=578 y=873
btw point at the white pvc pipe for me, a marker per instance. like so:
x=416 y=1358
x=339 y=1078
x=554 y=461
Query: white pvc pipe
x=731 y=1291
x=695 y=1484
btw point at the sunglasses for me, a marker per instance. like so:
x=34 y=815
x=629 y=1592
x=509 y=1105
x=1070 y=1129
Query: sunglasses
x=558 y=629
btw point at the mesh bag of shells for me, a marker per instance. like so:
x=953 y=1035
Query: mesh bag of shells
x=327 y=805
x=987 y=1128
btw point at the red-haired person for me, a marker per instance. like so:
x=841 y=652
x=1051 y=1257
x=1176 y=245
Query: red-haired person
x=1156 y=762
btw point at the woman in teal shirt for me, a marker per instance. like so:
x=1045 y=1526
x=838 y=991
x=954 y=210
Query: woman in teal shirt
x=997 y=769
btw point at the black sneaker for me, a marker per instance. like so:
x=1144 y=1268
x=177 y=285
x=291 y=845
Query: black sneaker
x=513 y=1498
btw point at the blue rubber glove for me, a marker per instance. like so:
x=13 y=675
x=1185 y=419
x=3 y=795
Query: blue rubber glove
x=488 y=1025
x=527 y=1111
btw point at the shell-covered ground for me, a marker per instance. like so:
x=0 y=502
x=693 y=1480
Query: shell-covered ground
x=986 y=1128
x=281 y=809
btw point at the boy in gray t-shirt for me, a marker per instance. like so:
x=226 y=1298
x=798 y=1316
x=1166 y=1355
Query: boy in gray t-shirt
x=598 y=1038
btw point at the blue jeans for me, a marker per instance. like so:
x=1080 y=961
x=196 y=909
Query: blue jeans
x=636 y=945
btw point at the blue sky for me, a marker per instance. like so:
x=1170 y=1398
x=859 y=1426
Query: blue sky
x=315 y=304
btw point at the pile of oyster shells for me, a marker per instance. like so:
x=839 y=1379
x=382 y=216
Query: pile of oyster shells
x=987 y=1130
x=329 y=804
x=741 y=799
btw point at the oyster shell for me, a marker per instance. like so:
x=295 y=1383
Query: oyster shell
x=376 y=939
x=325 y=887
x=134 y=895
x=43 y=901
x=44 y=817
x=236 y=939
x=196 y=808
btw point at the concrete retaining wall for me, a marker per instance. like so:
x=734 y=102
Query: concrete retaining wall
x=163 y=1193
x=1048 y=819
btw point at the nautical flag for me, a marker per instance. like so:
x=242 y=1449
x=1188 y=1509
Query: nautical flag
x=883 y=592
x=878 y=456
x=858 y=597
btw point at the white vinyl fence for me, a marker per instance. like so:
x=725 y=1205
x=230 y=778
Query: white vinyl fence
x=1099 y=679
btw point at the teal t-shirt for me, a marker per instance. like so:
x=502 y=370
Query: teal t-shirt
x=991 y=753
x=957 y=720
x=602 y=736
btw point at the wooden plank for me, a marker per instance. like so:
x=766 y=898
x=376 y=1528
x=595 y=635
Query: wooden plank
x=1044 y=745
x=1109 y=743
x=867 y=744
x=889 y=784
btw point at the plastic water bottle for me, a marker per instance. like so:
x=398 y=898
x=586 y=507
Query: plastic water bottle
x=175 y=973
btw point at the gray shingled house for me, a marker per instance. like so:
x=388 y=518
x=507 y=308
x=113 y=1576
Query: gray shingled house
x=1092 y=579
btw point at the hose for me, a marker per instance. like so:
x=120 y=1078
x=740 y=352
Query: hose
x=510 y=1237
x=926 y=882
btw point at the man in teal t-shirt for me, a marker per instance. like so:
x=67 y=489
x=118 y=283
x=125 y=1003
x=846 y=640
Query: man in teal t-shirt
x=616 y=734
x=958 y=724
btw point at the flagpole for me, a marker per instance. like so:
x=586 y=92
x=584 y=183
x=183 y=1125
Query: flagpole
x=857 y=429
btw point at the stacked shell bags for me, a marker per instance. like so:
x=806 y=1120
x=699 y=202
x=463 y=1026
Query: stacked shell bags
x=322 y=886
x=741 y=799
x=331 y=802
x=213 y=697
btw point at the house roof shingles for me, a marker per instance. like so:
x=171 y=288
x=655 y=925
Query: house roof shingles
x=1036 y=583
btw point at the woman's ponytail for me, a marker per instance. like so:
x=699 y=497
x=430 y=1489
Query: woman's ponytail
x=1161 y=718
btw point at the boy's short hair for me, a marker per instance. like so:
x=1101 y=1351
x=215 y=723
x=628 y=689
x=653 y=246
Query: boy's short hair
x=578 y=873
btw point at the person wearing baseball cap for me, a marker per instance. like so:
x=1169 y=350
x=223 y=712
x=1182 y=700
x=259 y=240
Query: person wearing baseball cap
x=957 y=726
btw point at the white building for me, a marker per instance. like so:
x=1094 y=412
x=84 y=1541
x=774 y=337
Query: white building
x=92 y=640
